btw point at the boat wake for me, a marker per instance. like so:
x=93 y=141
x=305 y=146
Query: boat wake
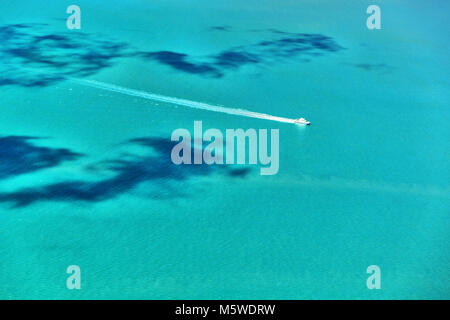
x=181 y=102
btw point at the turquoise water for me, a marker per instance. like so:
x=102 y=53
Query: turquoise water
x=366 y=184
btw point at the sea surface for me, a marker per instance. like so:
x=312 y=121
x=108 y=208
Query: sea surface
x=86 y=177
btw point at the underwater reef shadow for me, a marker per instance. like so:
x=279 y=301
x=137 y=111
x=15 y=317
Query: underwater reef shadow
x=18 y=155
x=33 y=56
x=374 y=67
x=126 y=173
x=224 y=28
x=300 y=46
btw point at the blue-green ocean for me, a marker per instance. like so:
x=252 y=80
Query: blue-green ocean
x=86 y=177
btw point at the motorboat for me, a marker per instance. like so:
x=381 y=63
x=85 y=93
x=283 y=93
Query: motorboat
x=302 y=121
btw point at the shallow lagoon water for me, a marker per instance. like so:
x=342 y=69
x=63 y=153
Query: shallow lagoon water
x=91 y=185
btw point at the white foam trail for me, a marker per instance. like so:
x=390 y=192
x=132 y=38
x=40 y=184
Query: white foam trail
x=177 y=101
